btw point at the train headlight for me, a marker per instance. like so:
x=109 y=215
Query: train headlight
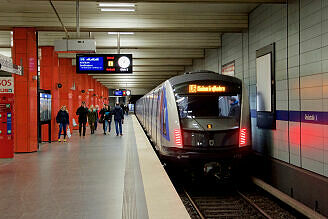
x=243 y=137
x=178 y=138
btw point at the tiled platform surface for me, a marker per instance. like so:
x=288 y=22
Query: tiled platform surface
x=93 y=177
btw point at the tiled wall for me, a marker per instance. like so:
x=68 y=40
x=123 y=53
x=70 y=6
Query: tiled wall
x=299 y=30
x=197 y=65
x=212 y=60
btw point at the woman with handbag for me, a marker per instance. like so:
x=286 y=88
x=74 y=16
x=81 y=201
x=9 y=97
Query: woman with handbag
x=62 y=119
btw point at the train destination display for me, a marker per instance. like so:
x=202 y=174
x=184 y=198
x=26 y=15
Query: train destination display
x=193 y=88
x=104 y=63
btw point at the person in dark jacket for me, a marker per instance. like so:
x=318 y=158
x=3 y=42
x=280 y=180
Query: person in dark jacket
x=92 y=117
x=62 y=119
x=97 y=116
x=106 y=117
x=127 y=110
x=82 y=112
x=118 y=118
x=234 y=108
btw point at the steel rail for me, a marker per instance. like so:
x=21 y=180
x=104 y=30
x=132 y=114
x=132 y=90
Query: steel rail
x=254 y=205
x=194 y=205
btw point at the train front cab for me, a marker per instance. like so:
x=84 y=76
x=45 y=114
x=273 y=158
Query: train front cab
x=204 y=129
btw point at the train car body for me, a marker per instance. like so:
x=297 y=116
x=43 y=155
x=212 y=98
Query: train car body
x=197 y=118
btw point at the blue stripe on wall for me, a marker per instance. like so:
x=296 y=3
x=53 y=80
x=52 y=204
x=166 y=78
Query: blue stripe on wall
x=299 y=116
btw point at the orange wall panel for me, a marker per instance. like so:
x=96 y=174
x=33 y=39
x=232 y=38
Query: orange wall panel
x=24 y=50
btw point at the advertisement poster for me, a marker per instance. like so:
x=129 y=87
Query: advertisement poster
x=45 y=107
x=229 y=69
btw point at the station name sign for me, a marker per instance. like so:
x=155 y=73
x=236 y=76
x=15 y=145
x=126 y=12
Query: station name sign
x=104 y=64
x=7 y=65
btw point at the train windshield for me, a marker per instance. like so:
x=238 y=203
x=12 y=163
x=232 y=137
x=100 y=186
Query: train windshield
x=208 y=103
x=223 y=111
x=194 y=106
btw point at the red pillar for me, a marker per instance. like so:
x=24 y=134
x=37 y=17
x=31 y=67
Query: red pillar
x=99 y=94
x=25 y=50
x=49 y=78
x=70 y=104
x=64 y=65
x=76 y=95
x=84 y=89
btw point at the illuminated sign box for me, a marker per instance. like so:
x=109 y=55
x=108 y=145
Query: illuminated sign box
x=194 y=88
x=118 y=93
x=122 y=93
x=104 y=64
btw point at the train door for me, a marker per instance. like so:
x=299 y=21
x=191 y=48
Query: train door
x=151 y=114
x=146 y=113
x=158 y=117
x=164 y=119
x=143 y=111
x=148 y=118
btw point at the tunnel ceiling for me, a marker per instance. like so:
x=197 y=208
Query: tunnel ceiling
x=168 y=34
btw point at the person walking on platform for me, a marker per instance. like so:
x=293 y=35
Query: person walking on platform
x=97 y=116
x=92 y=116
x=234 y=108
x=118 y=118
x=82 y=112
x=62 y=119
x=127 y=109
x=106 y=117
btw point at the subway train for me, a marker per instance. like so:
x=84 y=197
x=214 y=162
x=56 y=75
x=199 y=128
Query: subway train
x=199 y=118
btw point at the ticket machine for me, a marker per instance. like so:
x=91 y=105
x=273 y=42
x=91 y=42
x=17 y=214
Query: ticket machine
x=6 y=124
x=7 y=70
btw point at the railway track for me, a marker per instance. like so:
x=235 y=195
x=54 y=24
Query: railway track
x=235 y=204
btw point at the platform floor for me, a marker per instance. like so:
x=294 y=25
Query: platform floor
x=98 y=176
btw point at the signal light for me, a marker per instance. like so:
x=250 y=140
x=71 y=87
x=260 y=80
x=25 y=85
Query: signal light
x=242 y=137
x=178 y=137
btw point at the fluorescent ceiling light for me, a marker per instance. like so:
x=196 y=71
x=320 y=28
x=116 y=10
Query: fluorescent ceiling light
x=121 y=33
x=118 y=9
x=116 y=5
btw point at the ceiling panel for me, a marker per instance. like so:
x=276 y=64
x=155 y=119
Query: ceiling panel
x=149 y=53
x=159 y=17
x=169 y=34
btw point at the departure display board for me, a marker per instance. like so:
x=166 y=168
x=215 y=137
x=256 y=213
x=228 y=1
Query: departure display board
x=104 y=64
x=118 y=93
x=122 y=92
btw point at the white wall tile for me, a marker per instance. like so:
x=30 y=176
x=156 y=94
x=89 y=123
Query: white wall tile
x=295 y=160
x=326 y=170
x=294 y=94
x=312 y=80
x=311 y=105
x=311 y=93
x=294 y=105
x=312 y=165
